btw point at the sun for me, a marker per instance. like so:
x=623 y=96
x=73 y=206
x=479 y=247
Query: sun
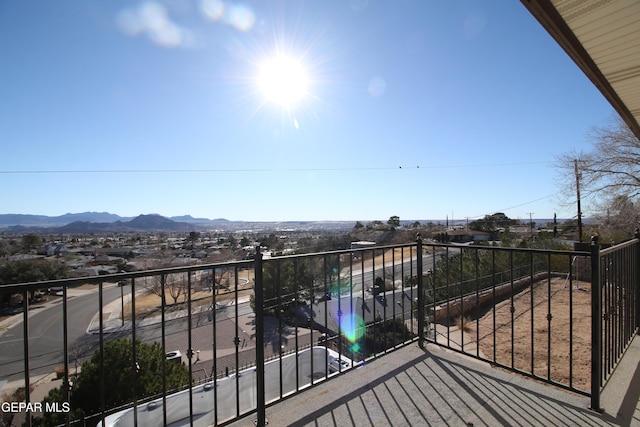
x=283 y=81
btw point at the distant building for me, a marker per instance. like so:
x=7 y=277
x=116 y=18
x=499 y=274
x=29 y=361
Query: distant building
x=362 y=244
x=467 y=236
x=101 y=258
x=53 y=249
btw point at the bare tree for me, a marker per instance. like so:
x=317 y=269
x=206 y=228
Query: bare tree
x=222 y=278
x=218 y=278
x=171 y=284
x=610 y=170
x=607 y=179
x=617 y=219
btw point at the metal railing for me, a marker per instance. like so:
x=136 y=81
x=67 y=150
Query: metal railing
x=616 y=307
x=252 y=332
x=561 y=317
x=502 y=305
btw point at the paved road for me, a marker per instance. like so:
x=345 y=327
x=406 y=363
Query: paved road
x=361 y=280
x=46 y=335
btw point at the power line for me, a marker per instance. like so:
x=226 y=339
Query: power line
x=178 y=171
x=518 y=206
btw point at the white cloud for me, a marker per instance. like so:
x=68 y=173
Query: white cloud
x=152 y=18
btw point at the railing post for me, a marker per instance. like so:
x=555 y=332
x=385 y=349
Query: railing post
x=103 y=393
x=25 y=340
x=259 y=306
x=420 y=292
x=596 y=325
x=65 y=345
x=636 y=276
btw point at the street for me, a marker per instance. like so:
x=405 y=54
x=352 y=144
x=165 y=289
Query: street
x=46 y=335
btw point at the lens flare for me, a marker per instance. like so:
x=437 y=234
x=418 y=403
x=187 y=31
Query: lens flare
x=343 y=286
x=352 y=326
x=213 y=9
x=377 y=86
x=355 y=348
x=239 y=16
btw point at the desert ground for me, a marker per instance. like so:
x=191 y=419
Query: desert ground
x=514 y=345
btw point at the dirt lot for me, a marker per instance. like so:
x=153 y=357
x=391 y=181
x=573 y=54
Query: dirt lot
x=149 y=304
x=513 y=344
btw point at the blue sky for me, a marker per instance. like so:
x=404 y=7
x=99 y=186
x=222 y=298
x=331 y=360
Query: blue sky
x=421 y=109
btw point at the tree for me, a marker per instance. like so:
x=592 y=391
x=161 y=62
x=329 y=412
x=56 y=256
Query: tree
x=492 y=223
x=23 y=271
x=174 y=284
x=125 y=378
x=193 y=237
x=617 y=219
x=217 y=278
x=358 y=225
x=611 y=169
x=384 y=335
x=30 y=241
x=233 y=242
x=271 y=242
x=374 y=224
x=394 y=221
x=287 y=280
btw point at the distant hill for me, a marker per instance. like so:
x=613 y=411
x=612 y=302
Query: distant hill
x=140 y=223
x=190 y=219
x=143 y=223
x=10 y=220
x=103 y=222
x=157 y=223
x=50 y=221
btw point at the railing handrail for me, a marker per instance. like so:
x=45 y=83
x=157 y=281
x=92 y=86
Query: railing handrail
x=115 y=277
x=11 y=287
x=511 y=249
x=619 y=246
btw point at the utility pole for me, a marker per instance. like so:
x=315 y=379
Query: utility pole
x=578 y=176
x=531 y=225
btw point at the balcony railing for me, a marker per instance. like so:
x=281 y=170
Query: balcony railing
x=253 y=332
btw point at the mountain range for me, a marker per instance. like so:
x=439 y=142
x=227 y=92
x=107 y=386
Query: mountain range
x=48 y=221
x=90 y=222
x=104 y=222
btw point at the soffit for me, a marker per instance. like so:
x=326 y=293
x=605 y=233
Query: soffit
x=603 y=38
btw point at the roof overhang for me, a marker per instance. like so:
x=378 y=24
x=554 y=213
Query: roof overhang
x=603 y=39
